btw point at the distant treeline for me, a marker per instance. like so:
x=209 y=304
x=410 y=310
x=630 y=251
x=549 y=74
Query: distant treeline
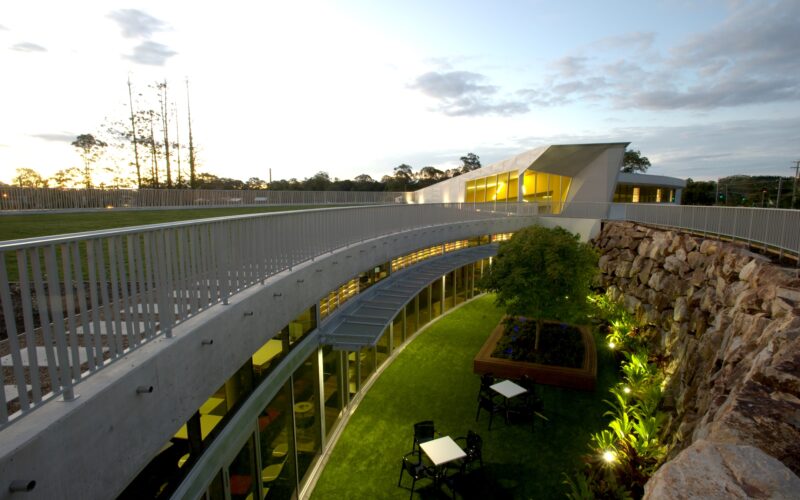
x=767 y=191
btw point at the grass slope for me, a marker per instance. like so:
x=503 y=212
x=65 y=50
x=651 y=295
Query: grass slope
x=432 y=379
x=13 y=227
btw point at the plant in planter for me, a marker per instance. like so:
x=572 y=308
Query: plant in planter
x=544 y=274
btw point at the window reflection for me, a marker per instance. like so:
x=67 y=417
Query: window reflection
x=276 y=443
x=307 y=413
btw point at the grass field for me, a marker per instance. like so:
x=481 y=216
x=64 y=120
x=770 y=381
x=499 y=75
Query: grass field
x=13 y=227
x=432 y=379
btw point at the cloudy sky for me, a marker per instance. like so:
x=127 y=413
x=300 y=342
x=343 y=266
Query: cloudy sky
x=703 y=88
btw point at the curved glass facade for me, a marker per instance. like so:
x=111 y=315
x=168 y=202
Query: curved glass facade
x=290 y=432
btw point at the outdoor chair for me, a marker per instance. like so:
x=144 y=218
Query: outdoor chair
x=487 y=380
x=412 y=464
x=423 y=431
x=487 y=403
x=526 y=406
x=472 y=444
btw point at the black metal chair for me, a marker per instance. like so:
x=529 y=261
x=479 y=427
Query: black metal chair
x=486 y=402
x=487 y=380
x=412 y=464
x=473 y=447
x=423 y=431
x=527 y=406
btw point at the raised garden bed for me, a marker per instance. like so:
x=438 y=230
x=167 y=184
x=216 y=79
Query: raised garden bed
x=583 y=377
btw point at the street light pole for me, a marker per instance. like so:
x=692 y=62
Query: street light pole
x=794 y=187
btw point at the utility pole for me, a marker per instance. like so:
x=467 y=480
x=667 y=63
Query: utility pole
x=778 y=201
x=716 y=195
x=794 y=187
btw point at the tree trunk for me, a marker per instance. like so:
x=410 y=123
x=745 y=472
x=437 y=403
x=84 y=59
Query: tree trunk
x=135 y=138
x=539 y=325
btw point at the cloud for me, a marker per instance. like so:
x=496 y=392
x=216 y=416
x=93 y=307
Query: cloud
x=570 y=66
x=3 y=28
x=62 y=137
x=462 y=93
x=28 y=47
x=150 y=53
x=137 y=24
x=452 y=85
x=637 y=41
x=752 y=57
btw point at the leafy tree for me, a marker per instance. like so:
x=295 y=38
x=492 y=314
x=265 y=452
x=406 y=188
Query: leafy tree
x=431 y=173
x=699 y=192
x=403 y=174
x=633 y=161
x=29 y=178
x=470 y=162
x=543 y=273
x=321 y=181
x=65 y=177
x=256 y=183
x=91 y=150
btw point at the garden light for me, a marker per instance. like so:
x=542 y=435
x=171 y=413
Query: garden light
x=609 y=456
x=612 y=345
x=626 y=390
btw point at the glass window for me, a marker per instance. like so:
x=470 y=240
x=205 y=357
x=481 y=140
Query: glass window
x=424 y=306
x=461 y=284
x=502 y=187
x=307 y=414
x=368 y=360
x=436 y=298
x=411 y=318
x=242 y=473
x=480 y=190
x=491 y=188
x=399 y=328
x=276 y=442
x=333 y=384
x=513 y=186
x=469 y=197
x=449 y=290
x=382 y=348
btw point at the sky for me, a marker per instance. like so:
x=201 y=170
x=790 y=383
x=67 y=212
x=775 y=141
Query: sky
x=704 y=89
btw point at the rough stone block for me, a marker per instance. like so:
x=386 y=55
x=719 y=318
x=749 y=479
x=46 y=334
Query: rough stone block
x=722 y=471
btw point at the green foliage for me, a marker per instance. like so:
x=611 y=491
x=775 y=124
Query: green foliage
x=632 y=440
x=543 y=273
x=470 y=162
x=633 y=161
x=579 y=487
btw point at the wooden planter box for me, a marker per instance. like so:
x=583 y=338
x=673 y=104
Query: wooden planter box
x=583 y=378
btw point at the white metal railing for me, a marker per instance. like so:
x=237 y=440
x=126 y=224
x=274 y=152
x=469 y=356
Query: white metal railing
x=15 y=198
x=72 y=304
x=777 y=229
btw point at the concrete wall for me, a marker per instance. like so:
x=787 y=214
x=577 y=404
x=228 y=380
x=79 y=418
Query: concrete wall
x=93 y=447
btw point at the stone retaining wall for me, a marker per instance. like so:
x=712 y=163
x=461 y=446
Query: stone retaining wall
x=729 y=334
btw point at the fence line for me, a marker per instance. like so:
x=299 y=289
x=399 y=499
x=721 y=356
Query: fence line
x=72 y=304
x=775 y=229
x=15 y=198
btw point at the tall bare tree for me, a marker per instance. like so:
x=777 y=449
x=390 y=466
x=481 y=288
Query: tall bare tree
x=134 y=136
x=177 y=145
x=164 y=104
x=192 y=158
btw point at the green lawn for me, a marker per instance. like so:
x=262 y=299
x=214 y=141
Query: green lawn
x=433 y=379
x=13 y=227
